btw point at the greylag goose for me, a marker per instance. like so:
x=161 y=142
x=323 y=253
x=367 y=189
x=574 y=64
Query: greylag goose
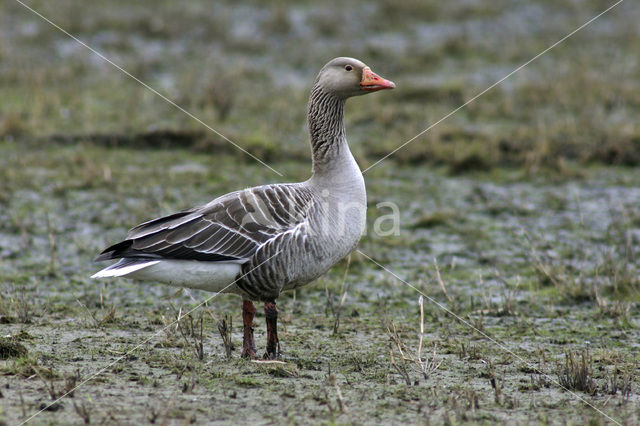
x=260 y=241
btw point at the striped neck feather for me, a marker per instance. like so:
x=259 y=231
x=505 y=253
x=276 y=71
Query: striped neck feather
x=326 y=127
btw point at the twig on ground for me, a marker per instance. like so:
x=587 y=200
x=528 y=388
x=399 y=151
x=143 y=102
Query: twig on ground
x=52 y=246
x=82 y=411
x=429 y=364
x=440 y=282
x=224 y=327
x=336 y=311
x=332 y=380
x=188 y=330
x=426 y=365
x=343 y=291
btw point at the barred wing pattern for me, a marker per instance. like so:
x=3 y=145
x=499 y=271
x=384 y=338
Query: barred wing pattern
x=230 y=228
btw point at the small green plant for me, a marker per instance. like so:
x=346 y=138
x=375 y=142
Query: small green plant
x=619 y=381
x=617 y=310
x=10 y=348
x=576 y=374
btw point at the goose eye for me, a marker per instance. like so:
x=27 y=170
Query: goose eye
x=348 y=67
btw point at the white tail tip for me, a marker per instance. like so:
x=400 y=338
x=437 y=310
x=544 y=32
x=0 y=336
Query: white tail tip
x=120 y=271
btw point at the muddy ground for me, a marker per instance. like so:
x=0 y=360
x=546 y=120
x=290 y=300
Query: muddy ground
x=519 y=216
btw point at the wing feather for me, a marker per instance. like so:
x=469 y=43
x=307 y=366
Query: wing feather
x=231 y=227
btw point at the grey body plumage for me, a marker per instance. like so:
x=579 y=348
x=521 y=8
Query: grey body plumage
x=261 y=241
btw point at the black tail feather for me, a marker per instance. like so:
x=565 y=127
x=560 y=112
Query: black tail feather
x=114 y=252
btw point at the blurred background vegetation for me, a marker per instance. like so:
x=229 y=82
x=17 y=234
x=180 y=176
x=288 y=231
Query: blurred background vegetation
x=246 y=71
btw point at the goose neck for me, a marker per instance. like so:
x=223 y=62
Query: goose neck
x=326 y=127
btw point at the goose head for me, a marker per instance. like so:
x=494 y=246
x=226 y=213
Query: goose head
x=346 y=77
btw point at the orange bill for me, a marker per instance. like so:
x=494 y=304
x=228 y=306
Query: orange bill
x=372 y=82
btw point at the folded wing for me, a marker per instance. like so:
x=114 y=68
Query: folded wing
x=230 y=228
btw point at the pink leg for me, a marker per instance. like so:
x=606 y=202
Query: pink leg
x=248 y=345
x=273 y=346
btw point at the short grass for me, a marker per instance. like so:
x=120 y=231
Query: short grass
x=540 y=274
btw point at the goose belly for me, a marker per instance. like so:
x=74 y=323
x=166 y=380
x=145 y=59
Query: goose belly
x=210 y=276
